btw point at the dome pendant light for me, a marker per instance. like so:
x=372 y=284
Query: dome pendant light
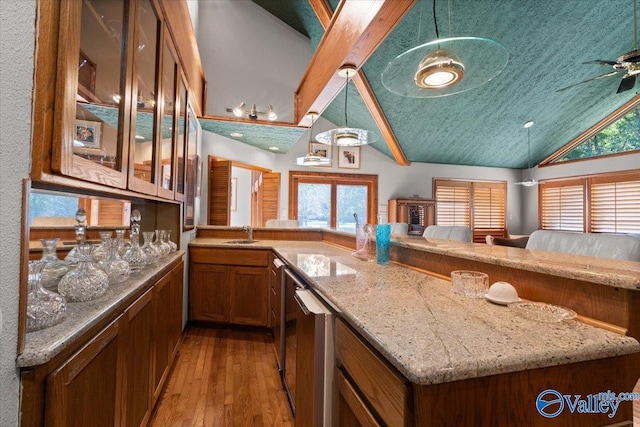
x=346 y=136
x=311 y=159
x=436 y=69
x=531 y=181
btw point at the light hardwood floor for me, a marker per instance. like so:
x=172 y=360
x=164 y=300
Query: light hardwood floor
x=223 y=378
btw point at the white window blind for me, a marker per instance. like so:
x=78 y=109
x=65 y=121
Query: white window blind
x=562 y=207
x=453 y=202
x=615 y=207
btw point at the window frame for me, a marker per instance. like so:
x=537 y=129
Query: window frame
x=587 y=181
x=335 y=179
x=479 y=234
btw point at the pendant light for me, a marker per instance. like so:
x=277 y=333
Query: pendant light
x=529 y=182
x=311 y=159
x=437 y=69
x=346 y=136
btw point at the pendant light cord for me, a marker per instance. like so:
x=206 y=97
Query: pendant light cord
x=529 y=147
x=346 y=94
x=435 y=20
x=635 y=23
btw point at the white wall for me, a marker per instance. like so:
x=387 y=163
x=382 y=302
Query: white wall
x=17 y=25
x=242 y=214
x=249 y=56
x=586 y=167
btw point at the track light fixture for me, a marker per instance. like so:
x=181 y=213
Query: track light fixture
x=253 y=112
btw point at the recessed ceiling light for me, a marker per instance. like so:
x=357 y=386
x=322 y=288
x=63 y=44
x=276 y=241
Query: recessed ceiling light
x=236 y=134
x=274 y=148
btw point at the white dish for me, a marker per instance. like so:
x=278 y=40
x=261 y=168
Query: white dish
x=500 y=301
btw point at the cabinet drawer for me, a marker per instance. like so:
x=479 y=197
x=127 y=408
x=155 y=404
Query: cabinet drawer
x=250 y=257
x=386 y=390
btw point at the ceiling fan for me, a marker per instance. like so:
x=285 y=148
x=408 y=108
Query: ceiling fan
x=628 y=63
x=531 y=181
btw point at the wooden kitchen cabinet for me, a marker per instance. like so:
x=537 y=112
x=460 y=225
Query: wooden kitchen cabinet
x=229 y=286
x=417 y=213
x=85 y=390
x=108 y=377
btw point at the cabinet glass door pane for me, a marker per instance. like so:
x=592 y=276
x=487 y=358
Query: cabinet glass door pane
x=314 y=205
x=350 y=199
x=168 y=103
x=181 y=141
x=100 y=82
x=145 y=66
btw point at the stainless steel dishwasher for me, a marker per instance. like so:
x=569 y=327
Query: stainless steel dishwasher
x=308 y=354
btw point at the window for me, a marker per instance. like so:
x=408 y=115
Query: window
x=480 y=205
x=328 y=200
x=607 y=203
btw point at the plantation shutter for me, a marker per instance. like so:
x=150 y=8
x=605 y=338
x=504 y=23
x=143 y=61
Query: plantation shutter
x=453 y=202
x=489 y=206
x=615 y=204
x=562 y=205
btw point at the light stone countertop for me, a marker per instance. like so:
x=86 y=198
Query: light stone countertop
x=428 y=333
x=43 y=345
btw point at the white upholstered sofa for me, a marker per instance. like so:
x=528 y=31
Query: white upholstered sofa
x=461 y=234
x=615 y=246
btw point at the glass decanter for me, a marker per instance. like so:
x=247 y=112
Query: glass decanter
x=81 y=236
x=54 y=268
x=135 y=256
x=152 y=253
x=123 y=245
x=44 y=308
x=117 y=269
x=172 y=245
x=160 y=244
x=87 y=281
x=101 y=252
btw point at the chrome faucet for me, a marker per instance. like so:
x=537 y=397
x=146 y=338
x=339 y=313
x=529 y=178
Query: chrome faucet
x=249 y=230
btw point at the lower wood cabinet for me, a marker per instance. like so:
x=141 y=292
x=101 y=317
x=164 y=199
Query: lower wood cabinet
x=229 y=286
x=115 y=377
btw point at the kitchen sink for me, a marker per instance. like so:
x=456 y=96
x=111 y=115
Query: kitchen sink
x=241 y=241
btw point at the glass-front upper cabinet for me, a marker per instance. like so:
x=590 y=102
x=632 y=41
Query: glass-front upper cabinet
x=142 y=139
x=167 y=123
x=91 y=96
x=181 y=142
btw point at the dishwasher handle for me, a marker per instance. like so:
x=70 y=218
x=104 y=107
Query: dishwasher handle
x=299 y=284
x=278 y=263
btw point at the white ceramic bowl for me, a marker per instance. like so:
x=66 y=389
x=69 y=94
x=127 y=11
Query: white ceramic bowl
x=502 y=293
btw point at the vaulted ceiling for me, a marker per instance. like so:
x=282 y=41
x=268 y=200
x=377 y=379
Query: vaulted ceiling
x=547 y=42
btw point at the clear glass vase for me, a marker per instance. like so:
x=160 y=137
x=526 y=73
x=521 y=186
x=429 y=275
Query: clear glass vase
x=54 y=268
x=152 y=253
x=172 y=245
x=101 y=251
x=87 y=281
x=117 y=269
x=44 y=308
x=135 y=256
x=160 y=244
x=123 y=245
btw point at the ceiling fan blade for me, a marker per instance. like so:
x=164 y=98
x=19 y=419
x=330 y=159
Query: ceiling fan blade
x=627 y=83
x=601 y=61
x=609 y=74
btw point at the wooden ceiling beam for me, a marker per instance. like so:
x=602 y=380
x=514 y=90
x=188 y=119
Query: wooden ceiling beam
x=355 y=31
x=324 y=13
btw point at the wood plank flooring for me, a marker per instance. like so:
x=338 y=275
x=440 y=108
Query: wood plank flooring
x=223 y=378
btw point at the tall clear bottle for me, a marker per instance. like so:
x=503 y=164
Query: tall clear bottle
x=81 y=236
x=135 y=256
x=54 y=268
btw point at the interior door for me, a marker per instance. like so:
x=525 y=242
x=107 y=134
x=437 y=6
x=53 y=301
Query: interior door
x=270 y=196
x=219 y=200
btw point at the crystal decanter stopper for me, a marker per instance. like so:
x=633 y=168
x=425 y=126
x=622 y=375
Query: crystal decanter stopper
x=44 y=308
x=54 y=268
x=87 y=281
x=81 y=236
x=135 y=256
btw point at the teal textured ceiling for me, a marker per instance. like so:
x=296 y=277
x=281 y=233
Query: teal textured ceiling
x=547 y=42
x=261 y=136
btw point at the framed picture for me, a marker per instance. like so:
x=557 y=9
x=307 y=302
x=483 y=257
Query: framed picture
x=349 y=157
x=233 y=203
x=87 y=135
x=320 y=150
